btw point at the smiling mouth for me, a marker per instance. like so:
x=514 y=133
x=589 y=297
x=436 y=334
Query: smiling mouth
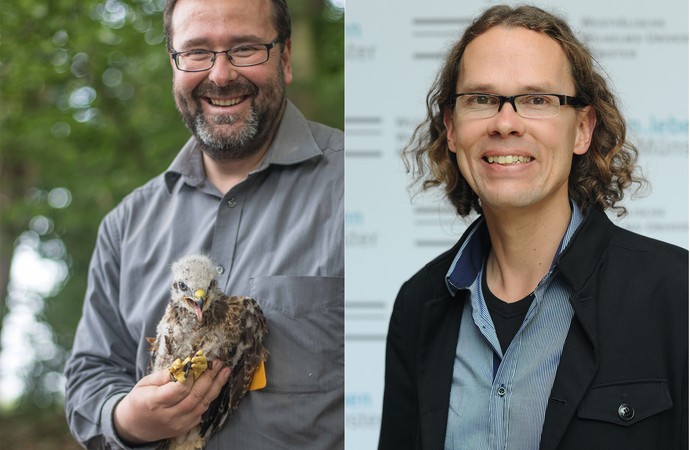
x=508 y=159
x=225 y=102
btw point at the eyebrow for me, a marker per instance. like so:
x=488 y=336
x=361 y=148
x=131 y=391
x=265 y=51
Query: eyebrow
x=234 y=41
x=489 y=89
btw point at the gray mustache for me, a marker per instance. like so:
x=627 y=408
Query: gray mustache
x=231 y=90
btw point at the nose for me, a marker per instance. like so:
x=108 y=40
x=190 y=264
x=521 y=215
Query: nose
x=222 y=72
x=507 y=121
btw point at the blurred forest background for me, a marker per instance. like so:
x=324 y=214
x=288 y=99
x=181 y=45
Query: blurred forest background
x=86 y=115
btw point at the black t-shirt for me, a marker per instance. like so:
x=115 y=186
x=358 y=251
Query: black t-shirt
x=507 y=317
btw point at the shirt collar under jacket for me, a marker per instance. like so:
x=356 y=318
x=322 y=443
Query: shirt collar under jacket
x=292 y=144
x=470 y=258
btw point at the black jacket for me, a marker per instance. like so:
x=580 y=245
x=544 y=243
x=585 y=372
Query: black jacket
x=627 y=344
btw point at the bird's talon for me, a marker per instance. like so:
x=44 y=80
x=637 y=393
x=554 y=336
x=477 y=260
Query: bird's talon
x=177 y=370
x=186 y=366
x=199 y=364
x=180 y=369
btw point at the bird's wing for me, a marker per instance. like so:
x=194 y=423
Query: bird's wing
x=250 y=344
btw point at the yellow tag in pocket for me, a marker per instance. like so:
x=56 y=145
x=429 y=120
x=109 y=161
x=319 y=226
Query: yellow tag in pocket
x=259 y=379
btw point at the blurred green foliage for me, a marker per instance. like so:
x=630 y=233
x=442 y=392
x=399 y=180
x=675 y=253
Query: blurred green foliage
x=86 y=115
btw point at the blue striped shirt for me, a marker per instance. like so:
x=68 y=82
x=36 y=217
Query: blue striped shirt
x=498 y=401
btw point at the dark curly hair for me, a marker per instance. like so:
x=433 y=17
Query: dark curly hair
x=281 y=20
x=597 y=177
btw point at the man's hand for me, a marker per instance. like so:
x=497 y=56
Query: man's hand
x=158 y=408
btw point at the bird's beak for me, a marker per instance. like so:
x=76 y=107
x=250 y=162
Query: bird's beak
x=200 y=298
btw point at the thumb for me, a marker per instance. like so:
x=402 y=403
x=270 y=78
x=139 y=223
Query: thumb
x=157 y=378
x=168 y=391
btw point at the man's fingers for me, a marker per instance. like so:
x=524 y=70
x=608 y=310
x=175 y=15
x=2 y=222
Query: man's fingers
x=171 y=392
x=206 y=388
x=158 y=378
x=158 y=407
x=217 y=383
x=189 y=395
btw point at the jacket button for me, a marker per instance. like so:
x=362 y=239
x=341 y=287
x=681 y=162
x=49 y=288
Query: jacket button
x=626 y=412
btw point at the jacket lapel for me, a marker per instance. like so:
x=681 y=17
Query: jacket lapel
x=436 y=355
x=440 y=327
x=579 y=359
x=575 y=373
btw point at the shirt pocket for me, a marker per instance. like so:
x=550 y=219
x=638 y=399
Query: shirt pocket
x=305 y=339
x=626 y=403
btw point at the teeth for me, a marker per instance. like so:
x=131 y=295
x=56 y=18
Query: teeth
x=219 y=102
x=508 y=159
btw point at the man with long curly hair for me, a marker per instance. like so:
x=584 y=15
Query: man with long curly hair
x=546 y=326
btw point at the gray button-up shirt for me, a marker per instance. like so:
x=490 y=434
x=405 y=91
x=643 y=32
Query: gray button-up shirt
x=278 y=237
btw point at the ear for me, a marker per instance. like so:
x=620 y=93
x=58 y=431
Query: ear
x=587 y=120
x=286 y=61
x=450 y=128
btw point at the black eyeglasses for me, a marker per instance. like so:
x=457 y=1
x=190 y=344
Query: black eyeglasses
x=240 y=56
x=477 y=105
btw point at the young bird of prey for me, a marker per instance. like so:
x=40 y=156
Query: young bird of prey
x=202 y=322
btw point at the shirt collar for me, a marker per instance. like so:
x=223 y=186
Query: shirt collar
x=470 y=258
x=292 y=144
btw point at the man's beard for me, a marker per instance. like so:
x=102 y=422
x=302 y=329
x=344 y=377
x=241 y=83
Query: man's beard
x=251 y=132
x=228 y=146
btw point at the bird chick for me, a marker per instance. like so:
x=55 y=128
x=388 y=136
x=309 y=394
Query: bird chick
x=194 y=281
x=202 y=324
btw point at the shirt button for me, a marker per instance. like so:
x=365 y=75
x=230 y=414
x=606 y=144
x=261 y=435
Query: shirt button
x=220 y=269
x=232 y=202
x=501 y=391
x=626 y=412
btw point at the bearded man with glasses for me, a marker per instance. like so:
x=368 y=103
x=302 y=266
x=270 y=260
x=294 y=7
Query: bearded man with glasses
x=546 y=326
x=259 y=189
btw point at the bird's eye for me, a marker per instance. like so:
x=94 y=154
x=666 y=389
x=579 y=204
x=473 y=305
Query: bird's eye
x=181 y=285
